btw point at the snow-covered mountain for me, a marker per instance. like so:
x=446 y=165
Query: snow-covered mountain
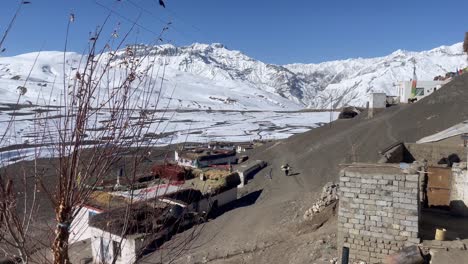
x=351 y=80
x=214 y=77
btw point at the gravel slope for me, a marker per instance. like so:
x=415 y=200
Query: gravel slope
x=315 y=157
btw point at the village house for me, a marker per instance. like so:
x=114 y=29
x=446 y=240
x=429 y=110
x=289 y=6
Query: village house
x=98 y=203
x=215 y=145
x=423 y=89
x=415 y=195
x=203 y=157
x=125 y=235
x=128 y=236
x=243 y=147
x=445 y=179
x=208 y=199
x=102 y=201
x=115 y=232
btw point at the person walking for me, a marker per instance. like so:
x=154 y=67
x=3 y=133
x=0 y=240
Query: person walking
x=286 y=168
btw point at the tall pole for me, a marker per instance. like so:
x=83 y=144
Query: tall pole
x=466 y=149
x=414 y=81
x=345 y=255
x=331 y=110
x=464 y=137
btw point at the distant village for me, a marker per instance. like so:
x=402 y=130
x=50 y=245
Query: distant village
x=125 y=220
x=407 y=92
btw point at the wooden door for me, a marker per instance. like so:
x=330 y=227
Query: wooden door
x=438 y=186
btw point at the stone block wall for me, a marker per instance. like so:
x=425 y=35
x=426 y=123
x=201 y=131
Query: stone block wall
x=379 y=210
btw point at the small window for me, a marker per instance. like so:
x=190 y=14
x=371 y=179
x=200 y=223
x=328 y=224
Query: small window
x=91 y=213
x=419 y=91
x=116 y=249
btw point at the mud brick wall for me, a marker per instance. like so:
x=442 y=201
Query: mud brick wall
x=378 y=212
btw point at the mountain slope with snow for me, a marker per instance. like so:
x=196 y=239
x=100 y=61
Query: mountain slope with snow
x=43 y=76
x=205 y=77
x=349 y=81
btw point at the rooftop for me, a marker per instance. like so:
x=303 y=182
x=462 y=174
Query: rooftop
x=105 y=201
x=206 y=153
x=138 y=218
x=192 y=190
x=214 y=185
x=456 y=130
x=186 y=196
x=372 y=168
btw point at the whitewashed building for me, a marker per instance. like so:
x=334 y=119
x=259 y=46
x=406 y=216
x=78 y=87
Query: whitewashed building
x=79 y=229
x=110 y=200
x=423 y=89
x=151 y=221
x=377 y=100
x=200 y=158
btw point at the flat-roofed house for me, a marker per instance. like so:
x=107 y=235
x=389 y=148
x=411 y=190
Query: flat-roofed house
x=202 y=157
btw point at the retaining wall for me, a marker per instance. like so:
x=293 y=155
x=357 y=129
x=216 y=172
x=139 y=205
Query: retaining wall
x=433 y=152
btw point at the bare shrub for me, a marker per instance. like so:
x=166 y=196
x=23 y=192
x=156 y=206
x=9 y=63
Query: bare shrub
x=109 y=98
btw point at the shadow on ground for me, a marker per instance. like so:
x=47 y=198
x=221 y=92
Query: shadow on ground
x=431 y=219
x=244 y=201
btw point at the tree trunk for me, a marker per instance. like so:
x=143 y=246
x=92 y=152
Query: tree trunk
x=62 y=232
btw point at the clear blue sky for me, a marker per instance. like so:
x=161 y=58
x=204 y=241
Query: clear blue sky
x=272 y=31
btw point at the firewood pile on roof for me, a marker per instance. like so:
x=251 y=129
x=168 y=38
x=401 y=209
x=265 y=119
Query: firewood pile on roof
x=105 y=201
x=206 y=154
x=171 y=172
x=138 y=218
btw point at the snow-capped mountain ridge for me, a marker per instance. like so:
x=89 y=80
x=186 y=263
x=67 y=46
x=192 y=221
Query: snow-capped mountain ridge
x=210 y=76
x=351 y=80
x=348 y=81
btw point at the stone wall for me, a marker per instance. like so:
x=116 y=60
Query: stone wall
x=379 y=210
x=459 y=189
x=396 y=154
x=434 y=152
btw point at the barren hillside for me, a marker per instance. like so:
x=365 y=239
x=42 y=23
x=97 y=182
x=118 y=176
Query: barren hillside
x=272 y=230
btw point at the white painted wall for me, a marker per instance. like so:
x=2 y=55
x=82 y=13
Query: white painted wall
x=404 y=90
x=182 y=161
x=79 y=227
x=129 y=247
x=377 y=100
x=222 y=198
x=242 y=179
x=459 y=190
x=246 y=169
x=224 y=160
x=206 y=163
x=240 y=149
